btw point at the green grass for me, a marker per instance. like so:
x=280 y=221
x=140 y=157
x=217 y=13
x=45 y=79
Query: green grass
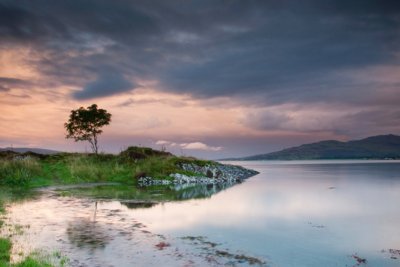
x=8 y=195
x=5 y=248
x=81 y=168
x=74 y=168
x=2 y=209
x=32 y=262
x=19 y=171
x=62 y=169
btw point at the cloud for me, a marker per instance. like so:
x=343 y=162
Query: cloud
x=189 y=146
x=108 y=83
x=325 y=118
x=292 y=53
x=200 y=146
x=63 y=20
x=280 y=52
x=166 y=143
x=334 y=65
x=163 y=142
x=7 y=83
x=266 y=119
x=170 y=102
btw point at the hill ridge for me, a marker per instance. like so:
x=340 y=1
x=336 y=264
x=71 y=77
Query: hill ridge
x=373 y=147
x=37 y=150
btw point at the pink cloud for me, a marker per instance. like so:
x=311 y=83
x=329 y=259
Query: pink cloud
x=200 y=146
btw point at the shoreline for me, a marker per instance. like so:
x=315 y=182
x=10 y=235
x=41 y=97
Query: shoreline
x=209 y=174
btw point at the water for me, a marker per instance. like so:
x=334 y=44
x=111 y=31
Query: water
x=310 y=213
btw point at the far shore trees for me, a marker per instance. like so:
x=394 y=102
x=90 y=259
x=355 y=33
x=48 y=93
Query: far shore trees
x=84 y=124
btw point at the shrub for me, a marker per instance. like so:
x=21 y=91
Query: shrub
x=18 y=171
x=137 y=153
x=155 y=167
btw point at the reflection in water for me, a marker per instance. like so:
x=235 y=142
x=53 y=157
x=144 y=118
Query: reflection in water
x=84 y=232
x=309 y=214
x=87 y=233
x=138 y=205
x=187 y=191
x=147 y=197
x=292 y=214
x=143 y=196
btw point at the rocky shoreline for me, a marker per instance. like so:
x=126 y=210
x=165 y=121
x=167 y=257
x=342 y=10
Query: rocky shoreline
x=215 y=173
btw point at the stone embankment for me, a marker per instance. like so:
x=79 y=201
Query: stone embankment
x=209 y=174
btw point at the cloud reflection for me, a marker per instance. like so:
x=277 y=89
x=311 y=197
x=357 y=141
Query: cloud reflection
x=348 y=200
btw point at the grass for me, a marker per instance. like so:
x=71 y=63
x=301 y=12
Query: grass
x=5 y=248
x=30 y=262
x=80 y=168
x=33 y=260
x=2 y=209
x=21 y=172
x=33 y=170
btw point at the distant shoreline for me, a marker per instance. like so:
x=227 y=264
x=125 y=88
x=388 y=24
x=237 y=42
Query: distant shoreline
x=380 y=147
x=313 y=161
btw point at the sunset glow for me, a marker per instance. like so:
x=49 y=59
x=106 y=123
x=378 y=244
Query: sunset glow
x=210 y=83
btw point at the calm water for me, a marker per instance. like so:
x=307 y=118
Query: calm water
x=313 y=213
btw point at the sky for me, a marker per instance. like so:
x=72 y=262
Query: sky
x=207 y=78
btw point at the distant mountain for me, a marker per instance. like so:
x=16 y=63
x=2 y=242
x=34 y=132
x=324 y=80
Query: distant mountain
x=26 y=149
x=375 y=147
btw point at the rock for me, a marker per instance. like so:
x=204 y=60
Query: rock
x=209 y=174
x=359 y=260
x=162 y=245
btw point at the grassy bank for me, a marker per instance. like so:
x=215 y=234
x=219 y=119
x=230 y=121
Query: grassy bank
x=21 y=172
x=30 y=261
x=6 y=245
x=34 y=170
x=8 y=195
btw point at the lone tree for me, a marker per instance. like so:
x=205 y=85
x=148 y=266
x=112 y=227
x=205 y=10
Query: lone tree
x=84 y=124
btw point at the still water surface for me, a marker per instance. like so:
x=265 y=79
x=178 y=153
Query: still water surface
x=293 y=214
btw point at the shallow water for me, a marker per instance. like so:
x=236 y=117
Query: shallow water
x=313 y=213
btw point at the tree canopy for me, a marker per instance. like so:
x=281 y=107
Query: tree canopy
x=85 y=124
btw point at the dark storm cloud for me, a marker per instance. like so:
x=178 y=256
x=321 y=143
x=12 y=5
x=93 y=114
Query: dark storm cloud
x=294 y=54
x=51 y=20
x=262 y=52
x=74 y=41
x=132 y=102
x=371 y=122
x=337 y=120
x=108 y=83
x=8 y=83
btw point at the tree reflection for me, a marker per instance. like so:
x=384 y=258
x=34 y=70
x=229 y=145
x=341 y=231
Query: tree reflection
x=88 y=233
x=189 y=191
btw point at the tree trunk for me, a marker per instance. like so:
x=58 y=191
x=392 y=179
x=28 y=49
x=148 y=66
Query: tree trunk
x=95 y=148
x=93 y=144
